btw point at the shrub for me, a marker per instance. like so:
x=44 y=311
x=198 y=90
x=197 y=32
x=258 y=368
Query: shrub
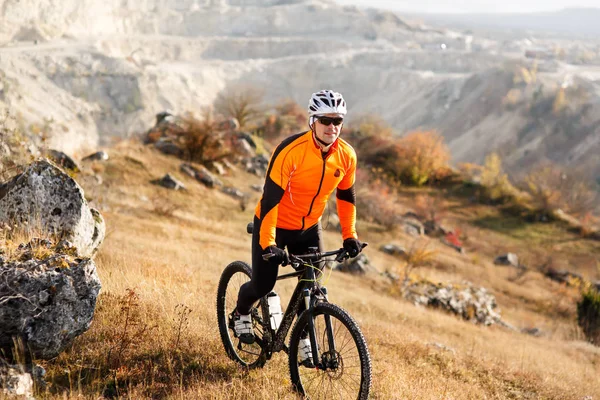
x=418 y=255
x=423 y=156
x=496 y=185
x=289 y=118
x=374 y=144
x=430 y=208
x=588 y=314
x=367 y=127
x=470 y=173
x=416 y=159
x=200 y=140
x=376 y=199
x=552 y=187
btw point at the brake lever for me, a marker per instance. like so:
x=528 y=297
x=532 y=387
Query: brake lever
x=344 y=255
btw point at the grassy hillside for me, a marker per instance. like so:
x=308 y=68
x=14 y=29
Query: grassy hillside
x=155 y=331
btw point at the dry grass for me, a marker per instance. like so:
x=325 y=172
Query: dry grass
x=142 y=345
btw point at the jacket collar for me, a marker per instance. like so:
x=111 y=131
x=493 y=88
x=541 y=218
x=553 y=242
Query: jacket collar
x=317 y=149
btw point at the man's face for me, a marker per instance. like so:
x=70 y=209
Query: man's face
x=330 y=132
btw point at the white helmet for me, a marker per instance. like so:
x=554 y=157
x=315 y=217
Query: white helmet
x=326 y=102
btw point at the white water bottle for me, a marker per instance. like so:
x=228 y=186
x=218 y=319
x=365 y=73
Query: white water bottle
x=275 y=314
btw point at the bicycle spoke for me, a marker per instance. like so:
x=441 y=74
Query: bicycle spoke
x=234 y=276
x=341 y=374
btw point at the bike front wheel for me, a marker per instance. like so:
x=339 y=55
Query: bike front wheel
x=249 y=355
x=344 y=367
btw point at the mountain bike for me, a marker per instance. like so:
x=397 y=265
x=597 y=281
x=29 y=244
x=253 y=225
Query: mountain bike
x=341 y=363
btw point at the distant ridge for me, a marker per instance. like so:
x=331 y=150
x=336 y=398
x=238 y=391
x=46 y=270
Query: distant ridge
x=571 y=21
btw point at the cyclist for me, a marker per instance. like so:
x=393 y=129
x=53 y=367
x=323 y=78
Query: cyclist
x=303 y=172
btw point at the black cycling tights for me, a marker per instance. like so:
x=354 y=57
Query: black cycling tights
x=264 y=274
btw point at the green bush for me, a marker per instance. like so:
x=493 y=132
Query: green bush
x=588 y=314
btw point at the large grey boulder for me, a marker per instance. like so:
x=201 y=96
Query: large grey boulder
x=47 y=198
x=47 y=298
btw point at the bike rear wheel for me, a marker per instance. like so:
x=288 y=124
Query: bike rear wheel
x=345 y=364
x=248 y=355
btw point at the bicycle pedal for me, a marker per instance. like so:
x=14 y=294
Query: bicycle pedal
x=247 y=338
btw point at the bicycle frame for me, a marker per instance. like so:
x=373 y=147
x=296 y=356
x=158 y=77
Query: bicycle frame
x=277 y=343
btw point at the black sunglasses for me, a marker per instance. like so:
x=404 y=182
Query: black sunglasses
x=329 y=120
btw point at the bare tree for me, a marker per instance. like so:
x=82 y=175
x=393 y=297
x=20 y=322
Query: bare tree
x=552 y=187
x=244 y=104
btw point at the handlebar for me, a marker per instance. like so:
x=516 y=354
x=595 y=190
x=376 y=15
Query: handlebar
x=341 y=254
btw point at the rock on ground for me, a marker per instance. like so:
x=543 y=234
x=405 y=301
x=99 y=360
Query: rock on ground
x=46 y=303
x=48 y=199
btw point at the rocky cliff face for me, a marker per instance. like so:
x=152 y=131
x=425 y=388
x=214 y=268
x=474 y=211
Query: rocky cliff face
x=86 y=71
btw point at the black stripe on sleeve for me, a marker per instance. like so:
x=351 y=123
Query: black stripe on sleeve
x=271 y=197
x=273 y=193
x=348 y=195
x=280 y=148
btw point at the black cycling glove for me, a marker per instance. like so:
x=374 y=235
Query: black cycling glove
x=279 y=256
x=352 y=246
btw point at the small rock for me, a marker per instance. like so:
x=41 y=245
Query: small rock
x=413 y=226
x=510 y=259
x=331 y=222
x=201 y=174
x=230 y=124
x=218 y=168
x=164 y=116
x=359 y=265
x=247 y=138
x=14 y=382
x=433 y=228
x=233 y=192
x=167 y=147
x=97 y=156
x=391 y=276
x=563 y=276
x=531 y=331
x=393 y=249
x=63 y=160
x=228 y=165
x=169 y=182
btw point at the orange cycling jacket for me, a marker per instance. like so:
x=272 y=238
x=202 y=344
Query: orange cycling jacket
x=299 y=181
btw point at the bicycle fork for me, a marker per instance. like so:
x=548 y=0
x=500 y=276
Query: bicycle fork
x=329 y=362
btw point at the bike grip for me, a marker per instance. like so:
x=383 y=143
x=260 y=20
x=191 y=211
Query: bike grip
x=342 y=256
